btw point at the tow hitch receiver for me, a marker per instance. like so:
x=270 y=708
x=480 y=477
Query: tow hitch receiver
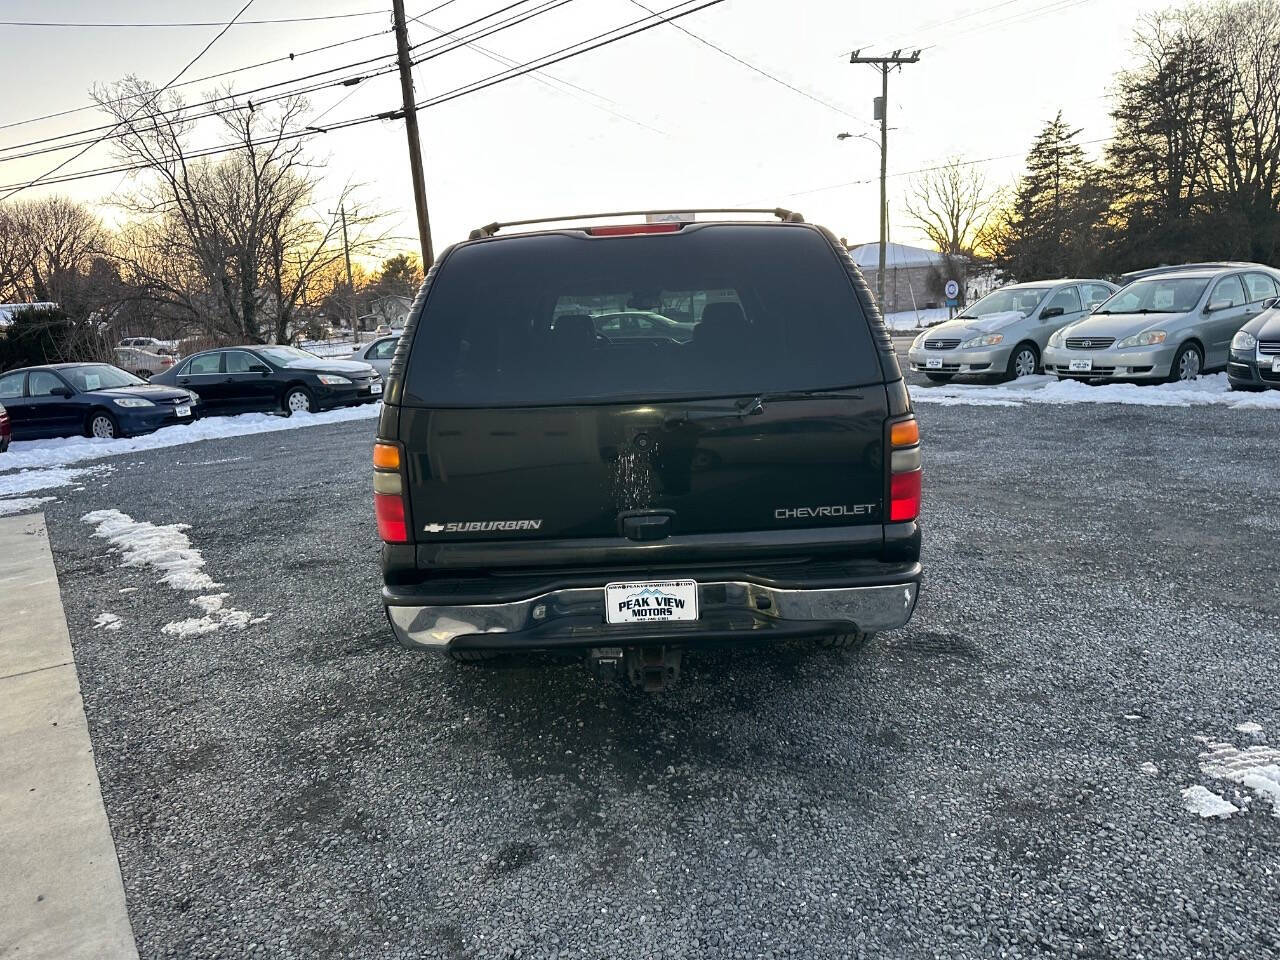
x=652 y=669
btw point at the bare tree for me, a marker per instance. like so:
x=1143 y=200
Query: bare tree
x=953 y=206
x=47 y=247
x=228 y=242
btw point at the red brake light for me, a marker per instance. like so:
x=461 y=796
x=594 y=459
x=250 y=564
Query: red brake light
x=904 y=496
x=389 y=509
x=630 y=228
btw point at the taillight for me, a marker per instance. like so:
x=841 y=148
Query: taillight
x=388 y=494
x=904 y=470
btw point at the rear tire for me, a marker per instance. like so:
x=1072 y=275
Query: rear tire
x=297 y=400
x=101 y=424
x=940 y=377
x=846 y=641
x=1188 y=363
x=470 y=656
x=1024 y=361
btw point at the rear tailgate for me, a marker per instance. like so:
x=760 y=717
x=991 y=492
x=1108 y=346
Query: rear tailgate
x=721 y=384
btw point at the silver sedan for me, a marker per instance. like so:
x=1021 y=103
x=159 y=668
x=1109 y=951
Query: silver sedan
x=1173 y=326
x=377 y=353
x=1005 y=333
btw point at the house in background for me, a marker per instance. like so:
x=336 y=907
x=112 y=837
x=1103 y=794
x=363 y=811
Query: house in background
x=914 y=276
x=391 y=310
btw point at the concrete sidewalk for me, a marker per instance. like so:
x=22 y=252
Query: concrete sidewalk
x=61 y=896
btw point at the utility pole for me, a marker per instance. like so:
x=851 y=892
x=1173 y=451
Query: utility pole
x=884 y=65
x=351 y=287
x=411 y=130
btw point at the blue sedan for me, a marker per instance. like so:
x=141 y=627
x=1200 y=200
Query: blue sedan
x=93 y=399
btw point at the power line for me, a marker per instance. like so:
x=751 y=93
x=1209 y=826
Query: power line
x=79 y=24
x=497 y=78
x=176 y=77
x=932 y=26
x=394 y=114
x=351 y=80
x=751 y=66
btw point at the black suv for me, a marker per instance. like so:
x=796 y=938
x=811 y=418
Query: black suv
x=742 y=465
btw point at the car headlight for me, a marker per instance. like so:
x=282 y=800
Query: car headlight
x=1244 y=341
x=918 y=342
x=1058 y=337
x=333 y=380
x=986 y=340
x=1146 y=339
x=133 y=402
x=195 y=397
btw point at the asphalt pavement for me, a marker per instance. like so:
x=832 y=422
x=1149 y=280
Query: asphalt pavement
x=1100 y=591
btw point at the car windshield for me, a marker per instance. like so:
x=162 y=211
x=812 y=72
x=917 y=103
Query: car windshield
x=285 y=355
x=1021 y=299
x=99 y=376
x=712 y=312
x=1157 y=295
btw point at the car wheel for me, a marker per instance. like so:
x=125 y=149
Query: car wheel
x=102 y=424
x=846 y=641
x=1187 y=364
x=940 y=377
x=471 y=656
x=1024 y=361
x=298 y=400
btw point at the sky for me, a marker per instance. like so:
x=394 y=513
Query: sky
x=659 y=120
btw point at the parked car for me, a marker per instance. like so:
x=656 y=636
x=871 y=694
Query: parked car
x=1005 y=333
x=1255 y=352
x=272 y=377
x=540 y=487
x=642 y=324
x=377 y=353
x=150 y=344
x=6 y=429
x=141 y=363
x=1170 y=326
x=1128 y=278
x=94 y=399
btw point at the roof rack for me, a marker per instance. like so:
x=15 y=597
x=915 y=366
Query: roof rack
x=786 y=216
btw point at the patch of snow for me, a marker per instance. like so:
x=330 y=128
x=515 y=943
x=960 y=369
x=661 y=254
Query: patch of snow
x=1249 y=727
x=21 y=504
x=1257 y=768
x=67 y=450
x=1208 y=804
x=25 y=481
x=128 y=589
x=1150 y=769
x=165 y=548
x=915 y=319
x=216 y=616
x=107 y=621
x=1211 y=390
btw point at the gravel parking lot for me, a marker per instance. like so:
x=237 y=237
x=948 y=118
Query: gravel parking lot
x=1100 y=592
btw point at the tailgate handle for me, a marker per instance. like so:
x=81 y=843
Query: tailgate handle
x=647 y=524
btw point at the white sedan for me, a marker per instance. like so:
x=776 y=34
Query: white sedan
x=377 y=353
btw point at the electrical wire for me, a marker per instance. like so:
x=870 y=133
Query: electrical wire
x=78 y=24
x=176 y=77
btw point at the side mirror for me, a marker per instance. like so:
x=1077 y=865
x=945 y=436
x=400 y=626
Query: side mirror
x=63 y=392
x=1048 y=313
x=1215 y=305
x=259 y=368
x=1270 y=303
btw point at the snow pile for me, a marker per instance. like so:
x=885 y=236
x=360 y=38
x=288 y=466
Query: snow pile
x=1256 y=768
x=67 y=450
x=913 y=319
x=21 y=504
x=1249 y=727
x=1150 y=769
x=1212 y=390
x=216 y=616
x=1208 y=804
x=166 y=548
x=107 y=621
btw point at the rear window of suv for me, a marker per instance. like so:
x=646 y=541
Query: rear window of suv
x=710 y=311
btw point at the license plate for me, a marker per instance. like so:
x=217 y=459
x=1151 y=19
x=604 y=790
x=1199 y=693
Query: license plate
x=660 y=601
x=1275 y=364
x=182 y=411
x=375 y=388
x=1081 y=366
x=933 y=363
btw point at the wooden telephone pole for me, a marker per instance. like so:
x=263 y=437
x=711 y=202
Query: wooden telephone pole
x=884 y=65
x=411 y=130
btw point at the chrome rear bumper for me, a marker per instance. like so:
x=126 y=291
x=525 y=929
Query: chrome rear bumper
x=575 y=617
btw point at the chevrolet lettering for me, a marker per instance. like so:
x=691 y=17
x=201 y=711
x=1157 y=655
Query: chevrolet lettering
x=803 y=513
